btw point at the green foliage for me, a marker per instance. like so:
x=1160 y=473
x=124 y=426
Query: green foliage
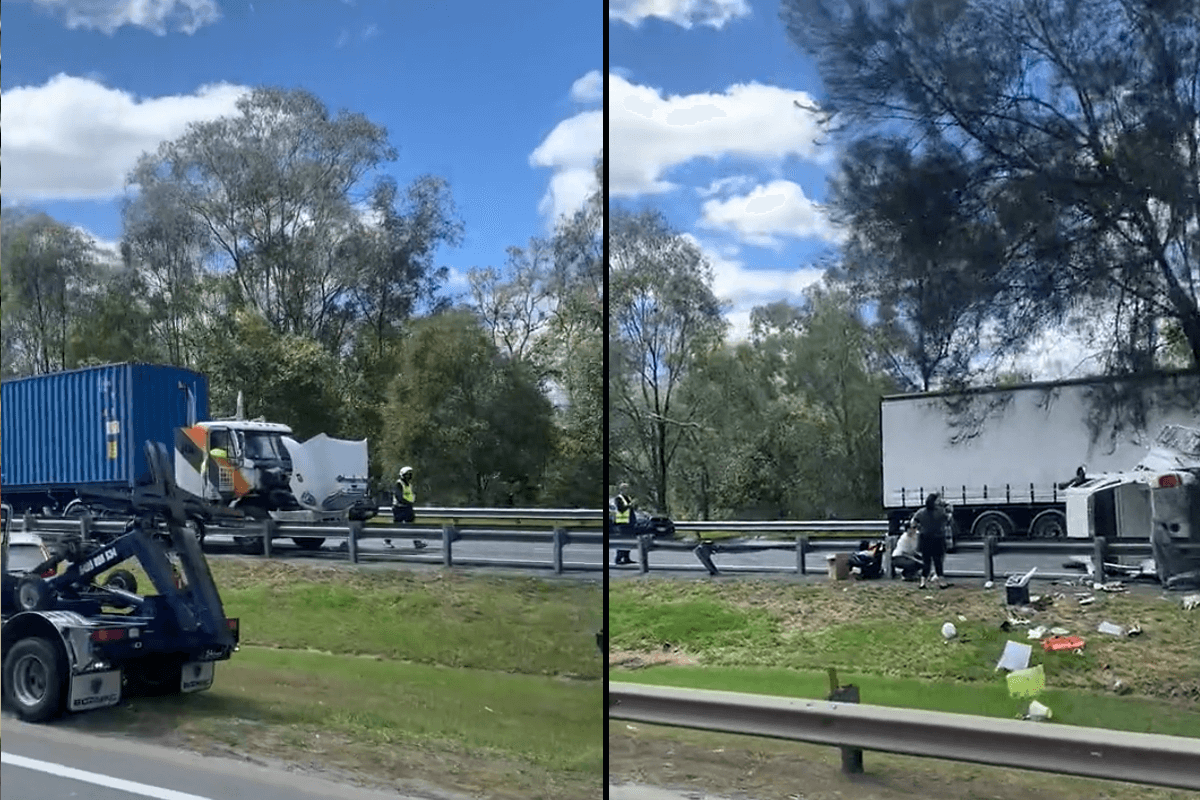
x=1053 y=170
x=475 y=426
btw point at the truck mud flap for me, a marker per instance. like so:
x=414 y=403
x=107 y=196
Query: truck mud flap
x=94 y=690
x=196 y=676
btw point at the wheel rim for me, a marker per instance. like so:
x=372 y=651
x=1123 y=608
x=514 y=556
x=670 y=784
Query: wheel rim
x=32 y=681
x=192 y=528
x=1050 y=527
x=27 y=596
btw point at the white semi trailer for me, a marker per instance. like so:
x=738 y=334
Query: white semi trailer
x=1005 y=458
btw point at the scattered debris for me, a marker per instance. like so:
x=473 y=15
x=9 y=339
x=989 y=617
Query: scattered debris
x=1038 y=712
x=949 y=631
x=1191 y=601
x=1087 y=600
x=1060 y=631
x=1121 y=687
x=1027 y=682
x=1038 y=632
x=1112 y=629
x=1058 y=643
x=962 y=618
x=1015 y=656
x=1017 y=588
x=988 y=584
x=1111 y=586
x=1134 y=629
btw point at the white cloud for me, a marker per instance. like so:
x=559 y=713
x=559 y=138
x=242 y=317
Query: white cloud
x=650 y=134
x=684 y=13
x=769 y=212
x=570 y=150
x=158 y=16
x=734 y=183
x=76 y=139
x=744 y=288
x=589 y=88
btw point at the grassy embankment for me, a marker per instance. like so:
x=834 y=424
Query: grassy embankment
x=469 y=683
x=772 y=637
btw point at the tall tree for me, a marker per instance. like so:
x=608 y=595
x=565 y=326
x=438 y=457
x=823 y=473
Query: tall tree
x=48 y=269
x=1079 y=121
x=663 y=315
x=474 y=424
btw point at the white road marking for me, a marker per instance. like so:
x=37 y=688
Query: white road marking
x=145 y=790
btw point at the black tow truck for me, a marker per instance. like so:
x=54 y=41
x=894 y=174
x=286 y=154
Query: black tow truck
x=71 y=644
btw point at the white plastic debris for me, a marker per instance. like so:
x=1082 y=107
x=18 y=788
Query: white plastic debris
x=1191 y=601
x=1015 y=656
x=949 y=631
x=1060 y=631
x=1111 y=628
x=1039 y=712
x=1038 y=632
x=988 y=585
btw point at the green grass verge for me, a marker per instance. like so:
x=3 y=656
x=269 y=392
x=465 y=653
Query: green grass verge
x=778 y=638
x=469 y=682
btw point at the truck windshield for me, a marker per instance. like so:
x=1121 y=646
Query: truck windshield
x=265 y=447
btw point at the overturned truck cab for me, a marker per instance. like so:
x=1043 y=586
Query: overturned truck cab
x=1158 y=500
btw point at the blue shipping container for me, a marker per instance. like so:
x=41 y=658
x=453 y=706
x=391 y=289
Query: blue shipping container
x=88 y=427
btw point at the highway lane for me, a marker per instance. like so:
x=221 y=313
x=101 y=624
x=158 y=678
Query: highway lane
x=49 y=762
x=784 y=562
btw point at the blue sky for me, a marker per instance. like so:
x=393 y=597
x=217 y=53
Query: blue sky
x=502 y=99
x=703 y=126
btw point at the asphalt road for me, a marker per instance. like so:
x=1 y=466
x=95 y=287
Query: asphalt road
x=50 y=762
x=782 y=562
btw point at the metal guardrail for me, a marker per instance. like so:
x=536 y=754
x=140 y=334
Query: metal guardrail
x=261 y=534
x=1154 y=759
x=1099 y=549
x=786 y=526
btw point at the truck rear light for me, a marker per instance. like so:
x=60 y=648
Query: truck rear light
x=233 y=625
x=108 y=635
x=1168 y=481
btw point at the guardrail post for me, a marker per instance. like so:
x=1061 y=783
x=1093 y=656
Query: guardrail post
x=85 y=527
x=560 y=541
x=644 y=553
x=356 y=529
x=28 y=523
x=852 y=757
x=268 y=533
x=1099 y=548
x=989 y=556
x=801 y=549
x=448 y=538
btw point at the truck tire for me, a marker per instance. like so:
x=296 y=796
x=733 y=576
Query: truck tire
x=993 y=523
x=308 y=542
x=34 y=680
x=1051 y=524
x=32 y=594
x=122 y=579
x=196 y=528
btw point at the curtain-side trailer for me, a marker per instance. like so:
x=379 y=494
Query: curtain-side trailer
x=1003 y=456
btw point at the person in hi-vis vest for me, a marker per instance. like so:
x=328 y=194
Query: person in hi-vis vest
x=404 y=500
x=623 y=520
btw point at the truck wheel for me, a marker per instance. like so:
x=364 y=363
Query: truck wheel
x=155 y=677
x=308 y=542
x=992 y=523
x=196 y=528
x=1049 y=525
x=33 y=594
x=122 y=579
x=34 y=678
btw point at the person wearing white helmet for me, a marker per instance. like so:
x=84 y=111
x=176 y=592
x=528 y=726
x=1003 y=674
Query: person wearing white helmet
x=404 y=500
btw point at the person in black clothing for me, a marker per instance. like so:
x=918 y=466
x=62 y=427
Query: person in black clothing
x=931 y=522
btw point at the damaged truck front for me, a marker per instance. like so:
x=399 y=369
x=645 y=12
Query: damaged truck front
x=1158 y=499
